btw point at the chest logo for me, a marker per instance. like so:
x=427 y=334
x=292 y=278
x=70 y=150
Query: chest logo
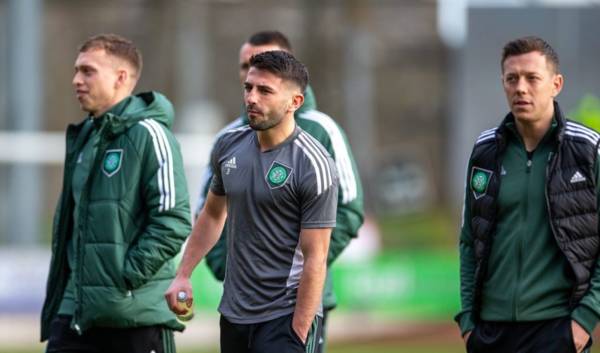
x=112 y=162
x=278 y=175
x=577 y=178
x=480 y=180
x=229 y=165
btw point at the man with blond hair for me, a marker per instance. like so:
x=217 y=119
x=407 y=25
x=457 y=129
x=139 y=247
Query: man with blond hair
x=122 y=216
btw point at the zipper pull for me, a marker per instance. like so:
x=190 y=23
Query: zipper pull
x=529 y=163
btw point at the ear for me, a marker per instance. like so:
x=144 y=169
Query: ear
x=297 y=101
x=557 y=83
x=122 y=78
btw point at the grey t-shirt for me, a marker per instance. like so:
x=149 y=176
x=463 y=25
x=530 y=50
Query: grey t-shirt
x=271 y=196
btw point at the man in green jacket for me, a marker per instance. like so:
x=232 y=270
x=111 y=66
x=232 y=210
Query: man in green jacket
x=530 y=276
x=350 y=213
x=122 y=216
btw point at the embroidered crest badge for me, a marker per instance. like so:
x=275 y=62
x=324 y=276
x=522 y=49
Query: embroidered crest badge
x=112 y=162
x=480 y=180
x=278 y=175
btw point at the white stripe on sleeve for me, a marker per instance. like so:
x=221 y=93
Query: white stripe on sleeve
x=162 y=150
x=321 y=160
x=312 y=144
x=314 y=164
x=171 y=176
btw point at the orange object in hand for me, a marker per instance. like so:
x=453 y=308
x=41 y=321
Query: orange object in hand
x=184 y=304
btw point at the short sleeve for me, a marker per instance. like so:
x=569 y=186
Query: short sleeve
x=216 y=184
x=319 y=188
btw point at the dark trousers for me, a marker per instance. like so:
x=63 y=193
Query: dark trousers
x=274 y=336
x=147 y=339
x=546 y=336
x=323 y=337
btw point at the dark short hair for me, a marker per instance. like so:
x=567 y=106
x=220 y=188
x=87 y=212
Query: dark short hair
x=270 y=37
x=115 y=45
x=282 y=64
x=530 y=44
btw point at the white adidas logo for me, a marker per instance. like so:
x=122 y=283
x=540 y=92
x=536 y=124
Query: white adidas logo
x=231 y=163
x=577 y=178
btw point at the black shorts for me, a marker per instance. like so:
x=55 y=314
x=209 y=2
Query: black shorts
x=146 y=339
x=546 y=336
x=271 y=336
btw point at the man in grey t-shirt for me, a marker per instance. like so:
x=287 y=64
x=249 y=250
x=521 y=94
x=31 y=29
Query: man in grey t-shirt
x=277 y=186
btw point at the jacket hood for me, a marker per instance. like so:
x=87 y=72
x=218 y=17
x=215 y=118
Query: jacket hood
x=147 y=105
x=310 y=102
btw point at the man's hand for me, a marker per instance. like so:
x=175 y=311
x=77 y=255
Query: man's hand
x=466 y=336
x=179 y=284
x=580 y=336
x=204 y=235
x=301 y=332
x=314 y=243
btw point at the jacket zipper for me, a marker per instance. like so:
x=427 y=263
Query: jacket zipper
x=76 y=153
x=77 y=312
x=84 y=197
x=520 y=241
x=60 y=245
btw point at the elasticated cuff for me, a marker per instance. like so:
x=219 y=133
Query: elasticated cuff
x=465 y=322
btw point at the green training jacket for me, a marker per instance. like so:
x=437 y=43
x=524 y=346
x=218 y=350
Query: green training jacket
x=350 y=212
x=528 y=277
x=133 y=218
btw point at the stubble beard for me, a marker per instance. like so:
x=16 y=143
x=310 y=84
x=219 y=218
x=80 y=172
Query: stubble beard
x=267 y=124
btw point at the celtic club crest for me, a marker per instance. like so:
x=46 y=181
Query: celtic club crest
x=112 y=162
x=278 y=175
x=480 y=180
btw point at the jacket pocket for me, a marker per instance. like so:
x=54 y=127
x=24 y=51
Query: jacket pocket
x=103 y=265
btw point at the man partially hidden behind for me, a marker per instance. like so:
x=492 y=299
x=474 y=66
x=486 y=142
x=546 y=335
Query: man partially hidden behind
x=530 y=277
x=122 y=216
x=277 y=187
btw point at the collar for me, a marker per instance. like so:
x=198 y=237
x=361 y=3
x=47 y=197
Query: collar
x=556 y=131
x=115 y=110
